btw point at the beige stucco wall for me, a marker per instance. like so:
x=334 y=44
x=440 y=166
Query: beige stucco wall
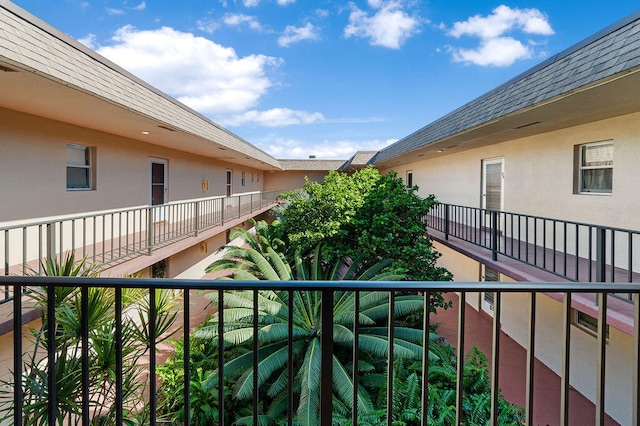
x=291 y=179
x=539 y=174
x=549 y=339
x=33 y=170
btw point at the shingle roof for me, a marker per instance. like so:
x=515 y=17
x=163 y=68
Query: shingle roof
x=611 y=51
x=311 y=164
x=359 y=160
x=31 y=42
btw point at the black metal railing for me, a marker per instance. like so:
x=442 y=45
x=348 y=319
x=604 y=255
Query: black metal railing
x=327 y=290
x=110 y=236
x=572 y=250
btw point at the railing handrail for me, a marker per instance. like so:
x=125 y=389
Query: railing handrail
x=327 y=289
x=69 y=217
x=440 y=286
x=572 y=222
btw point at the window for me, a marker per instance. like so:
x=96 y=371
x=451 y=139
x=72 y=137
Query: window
x=242 y=178
x=410 y=178
x=490 y=275
x=587 y=323
x=595 y=168
x=79 y=167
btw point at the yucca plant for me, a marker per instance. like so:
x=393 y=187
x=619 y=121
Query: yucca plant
x=102 y=349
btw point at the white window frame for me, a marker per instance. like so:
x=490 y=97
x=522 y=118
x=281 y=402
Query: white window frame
x=581 y=168
x=89 y=153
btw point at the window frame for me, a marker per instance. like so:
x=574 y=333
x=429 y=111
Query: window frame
x=90 y=158
x=579 y=188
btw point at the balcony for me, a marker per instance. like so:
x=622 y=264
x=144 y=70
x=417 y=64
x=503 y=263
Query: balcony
x=86 y=402
x=125 y=240
x=566 y=250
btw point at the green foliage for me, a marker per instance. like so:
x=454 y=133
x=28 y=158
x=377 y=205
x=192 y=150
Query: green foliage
x=365 y=215
x=102 y=353
x=322 y=210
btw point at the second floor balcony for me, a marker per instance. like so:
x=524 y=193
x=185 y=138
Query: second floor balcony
x=125 y=240
x=46 y=394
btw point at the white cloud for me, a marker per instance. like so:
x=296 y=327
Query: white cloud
x=389 y=27
x=285 y=2
x=237 y=19
x=208 y=26
x=112 y=11
x=89 y=40
x=208 y=77
x=295 y=34
x=342 y=149
x=251 y=3
x=499 y=52
x=274 y=117
x=496 y=49
x=141 y=6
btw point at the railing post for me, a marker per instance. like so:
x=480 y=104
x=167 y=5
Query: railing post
x=494 y=235
x=17 y=354
x=251 y=203
x=51 y=240
x=223 y=207
x=601 y=254
x=196 y=218
x=446 y=221
x=150 y=230
x=326 y=382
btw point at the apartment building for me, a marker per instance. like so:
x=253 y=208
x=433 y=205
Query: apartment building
x=534 y=165
x=96 y=161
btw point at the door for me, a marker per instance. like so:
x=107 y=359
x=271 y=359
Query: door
x=158 y=191
x=492 y=183
x=229 y=180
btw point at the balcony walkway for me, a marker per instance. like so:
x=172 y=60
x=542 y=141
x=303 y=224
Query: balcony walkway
x=536 y=246
x=513 y=362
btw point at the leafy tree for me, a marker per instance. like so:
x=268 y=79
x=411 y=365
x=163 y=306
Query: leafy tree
x=366 y=214
x=320 y=211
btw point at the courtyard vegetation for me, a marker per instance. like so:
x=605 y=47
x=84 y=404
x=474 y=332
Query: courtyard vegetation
x=364 y=226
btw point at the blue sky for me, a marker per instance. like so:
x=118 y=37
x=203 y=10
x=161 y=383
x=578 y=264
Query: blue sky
x=327 y=78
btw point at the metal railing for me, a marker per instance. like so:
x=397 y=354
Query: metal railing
x=572 y=250
x=110 y=236
x=327 y=290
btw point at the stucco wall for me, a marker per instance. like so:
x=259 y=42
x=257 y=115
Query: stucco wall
x=290 y=179
x=33 y=170
x=549 y=339
x=539 y=174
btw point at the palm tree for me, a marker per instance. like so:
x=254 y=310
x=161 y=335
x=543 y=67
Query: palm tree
x=263 y=262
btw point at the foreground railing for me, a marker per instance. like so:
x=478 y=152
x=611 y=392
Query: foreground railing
x=109 y=236
x=328 y=291
x=572 y=250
